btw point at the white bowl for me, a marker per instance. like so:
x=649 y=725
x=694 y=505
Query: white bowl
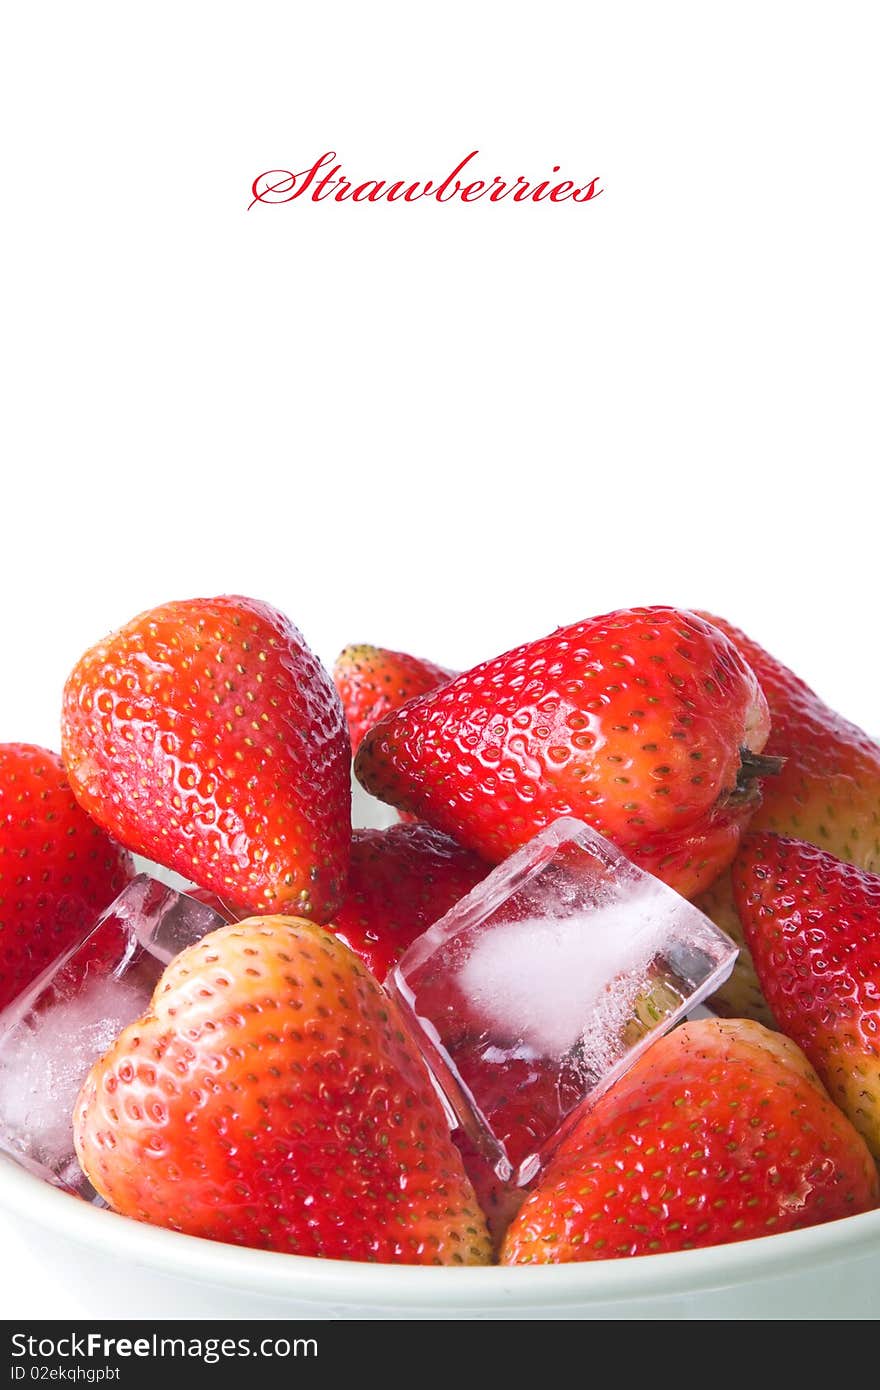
x=830 y=1271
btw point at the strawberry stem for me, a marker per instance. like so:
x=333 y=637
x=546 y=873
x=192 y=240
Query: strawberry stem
x=753 y=767
x=758 y=764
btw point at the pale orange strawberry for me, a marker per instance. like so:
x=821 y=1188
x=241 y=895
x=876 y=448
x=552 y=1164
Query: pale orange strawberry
x=271 y=1097
x=827 y=792
x=812 y=923
x=720 y=1132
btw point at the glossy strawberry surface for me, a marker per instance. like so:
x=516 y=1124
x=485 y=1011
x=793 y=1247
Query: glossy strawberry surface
x=645 y=723
x=205 y=735
x=827 y=791
x=58 y=870
x=400 y=881
x=373 y=680
x=272 y=1098
x=828 y=788
x=720 y=1132
x=812 y=923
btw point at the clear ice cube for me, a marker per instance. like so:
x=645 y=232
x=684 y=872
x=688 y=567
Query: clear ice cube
x=69 y=1017
x=542 y=985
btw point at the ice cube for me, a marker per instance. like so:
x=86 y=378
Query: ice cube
x=69 y=1017
x=543 y=984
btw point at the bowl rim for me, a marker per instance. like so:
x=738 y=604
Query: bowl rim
x=305 y=1279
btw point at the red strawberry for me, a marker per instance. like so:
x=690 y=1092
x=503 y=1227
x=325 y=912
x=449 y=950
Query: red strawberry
x=813 y=926
x=272 y=1098
x=646 y=723
x=720 y=1132
x=58 y=870
x=828 y=792
x=205 y=735
x=372 y=680
x=400 y=881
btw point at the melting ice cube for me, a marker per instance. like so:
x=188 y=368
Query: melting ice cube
x=545 y=982
x=51 y=1035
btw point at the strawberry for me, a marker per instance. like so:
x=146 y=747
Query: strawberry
x=400 y=881
x=646 y=723
x=58 y=870
x=720 y=1132
x=205 y=735
x=828 y=792
x=372 y=680
x=272 y=1098
x=812 y=923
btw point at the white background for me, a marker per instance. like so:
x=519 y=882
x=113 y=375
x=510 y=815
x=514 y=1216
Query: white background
x=443 y=428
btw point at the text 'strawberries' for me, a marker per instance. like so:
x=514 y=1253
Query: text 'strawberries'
x=467 y=181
